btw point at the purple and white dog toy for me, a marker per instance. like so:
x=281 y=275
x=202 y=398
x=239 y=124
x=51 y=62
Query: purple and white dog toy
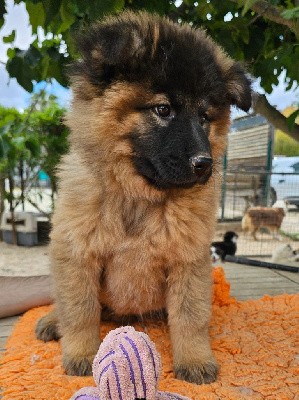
x=126 y=367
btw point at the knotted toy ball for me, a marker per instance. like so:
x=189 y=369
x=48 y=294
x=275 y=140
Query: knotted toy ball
x=126 y=367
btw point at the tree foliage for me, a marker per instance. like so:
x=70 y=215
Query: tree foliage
x=261 y=33
x=30 y=141
x=283 y=144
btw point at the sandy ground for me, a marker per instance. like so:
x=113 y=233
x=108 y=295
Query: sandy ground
x=23 y=261
x=30 y=261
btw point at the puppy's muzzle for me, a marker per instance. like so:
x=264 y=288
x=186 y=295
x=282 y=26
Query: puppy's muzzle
x=202 y=167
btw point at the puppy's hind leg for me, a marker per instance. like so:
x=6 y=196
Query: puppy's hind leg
x=275 y=234
x=253 y=233
x=47 y=327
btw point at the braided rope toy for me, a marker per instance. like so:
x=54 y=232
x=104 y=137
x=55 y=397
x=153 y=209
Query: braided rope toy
x=126 y=367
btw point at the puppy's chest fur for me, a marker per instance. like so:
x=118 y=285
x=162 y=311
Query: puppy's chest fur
x=149 y=242
x=133 y=289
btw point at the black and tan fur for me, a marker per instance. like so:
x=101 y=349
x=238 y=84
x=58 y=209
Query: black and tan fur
x=135 y=218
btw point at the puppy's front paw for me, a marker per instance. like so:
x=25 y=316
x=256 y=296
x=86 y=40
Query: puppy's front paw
x=78 y=366
x=197 y=373
x=47 y=329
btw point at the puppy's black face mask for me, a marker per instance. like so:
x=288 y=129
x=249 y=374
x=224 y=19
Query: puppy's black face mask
x=175 y=151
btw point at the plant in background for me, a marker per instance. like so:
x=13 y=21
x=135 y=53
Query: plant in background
x=47 y=122
x=19 y=151
x=30 y=142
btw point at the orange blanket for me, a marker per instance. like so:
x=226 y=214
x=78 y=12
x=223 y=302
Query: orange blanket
x=255 y=342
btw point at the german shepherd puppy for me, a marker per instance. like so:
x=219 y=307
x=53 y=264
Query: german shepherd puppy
x=139 y=188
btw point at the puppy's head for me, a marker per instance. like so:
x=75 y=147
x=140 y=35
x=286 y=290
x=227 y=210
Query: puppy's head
x=231 y=236
x=156 y=97
x=216 y=254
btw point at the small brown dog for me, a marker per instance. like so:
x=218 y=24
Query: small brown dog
x=263 y=217
x=138 y=192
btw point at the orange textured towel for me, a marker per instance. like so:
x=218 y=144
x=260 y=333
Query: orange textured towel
x=255 y=342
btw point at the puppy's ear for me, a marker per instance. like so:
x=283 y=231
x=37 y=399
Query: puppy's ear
x=239 y=87
x=115 y=44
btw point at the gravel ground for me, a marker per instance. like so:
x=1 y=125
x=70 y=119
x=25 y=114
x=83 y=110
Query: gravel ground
x=29 y=261
x=23 y=261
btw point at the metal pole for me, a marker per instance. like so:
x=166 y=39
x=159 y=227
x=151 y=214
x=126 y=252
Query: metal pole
x=263 y=264
x=269 y=164
x=223 y=191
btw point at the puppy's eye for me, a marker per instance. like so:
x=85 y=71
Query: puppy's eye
x=203 y=119
x=163 y=110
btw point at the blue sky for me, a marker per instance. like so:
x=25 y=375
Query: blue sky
x=13 y=95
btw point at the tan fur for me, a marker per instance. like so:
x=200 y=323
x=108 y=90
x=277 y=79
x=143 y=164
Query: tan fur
x=120 y=242
x=124 y=243
x=263 y=217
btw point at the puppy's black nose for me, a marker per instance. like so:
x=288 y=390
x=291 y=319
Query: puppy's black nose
x=201 y=164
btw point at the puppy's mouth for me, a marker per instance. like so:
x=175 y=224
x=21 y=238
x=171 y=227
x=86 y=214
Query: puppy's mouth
x=173 y=174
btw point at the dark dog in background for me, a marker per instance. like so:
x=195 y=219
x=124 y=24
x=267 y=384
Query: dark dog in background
x=139 y=192
x=219 y=250
x=216 y=254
